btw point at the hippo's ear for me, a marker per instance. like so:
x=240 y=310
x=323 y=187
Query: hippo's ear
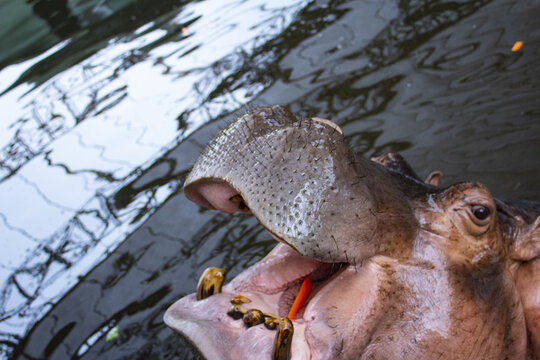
x=395 y=162
x=526 y=245
x=434 y=178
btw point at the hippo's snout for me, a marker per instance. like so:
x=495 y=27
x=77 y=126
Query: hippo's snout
x=302 y=182
x=216 y=195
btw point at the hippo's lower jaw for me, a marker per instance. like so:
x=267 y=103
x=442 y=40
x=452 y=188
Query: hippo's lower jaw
x=271 y=285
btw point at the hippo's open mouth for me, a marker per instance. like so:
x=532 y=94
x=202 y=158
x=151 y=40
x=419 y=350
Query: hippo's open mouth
x=270 y=286
x=213 y=318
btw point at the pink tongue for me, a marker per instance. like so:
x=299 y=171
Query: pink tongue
x=280 y=268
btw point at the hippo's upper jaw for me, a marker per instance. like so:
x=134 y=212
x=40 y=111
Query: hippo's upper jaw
x=304 y=185
x=399 y=269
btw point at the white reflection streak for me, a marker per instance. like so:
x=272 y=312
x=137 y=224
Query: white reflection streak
x=11 y=73
x=123 y=139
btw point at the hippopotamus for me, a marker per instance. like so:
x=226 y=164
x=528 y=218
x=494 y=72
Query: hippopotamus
x=399 y=267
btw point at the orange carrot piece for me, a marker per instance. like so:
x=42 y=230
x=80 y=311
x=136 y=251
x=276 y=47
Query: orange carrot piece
x=301 y=298
x=517 y=46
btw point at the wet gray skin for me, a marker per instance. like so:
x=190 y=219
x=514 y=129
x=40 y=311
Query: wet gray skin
x=303 y=183
x=401 y=268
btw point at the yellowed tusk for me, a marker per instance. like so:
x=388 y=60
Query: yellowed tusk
x=283 y=340
x=210 y=282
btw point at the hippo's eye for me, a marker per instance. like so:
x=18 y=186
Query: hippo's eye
x=481 y=214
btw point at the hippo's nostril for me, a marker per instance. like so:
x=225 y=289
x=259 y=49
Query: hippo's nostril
x=329 y=123
x=237 y=199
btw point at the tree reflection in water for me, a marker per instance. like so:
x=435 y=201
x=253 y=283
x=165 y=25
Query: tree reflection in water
x=413 y=76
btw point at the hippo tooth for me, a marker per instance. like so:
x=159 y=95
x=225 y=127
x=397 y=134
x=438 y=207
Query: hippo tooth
x=237 y=311
x=239 y=299
x=271 y=322
x=210 y=282
x=253 y=317
x=283 y=340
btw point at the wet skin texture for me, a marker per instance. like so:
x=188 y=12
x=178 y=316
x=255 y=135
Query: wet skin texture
x=400 y=267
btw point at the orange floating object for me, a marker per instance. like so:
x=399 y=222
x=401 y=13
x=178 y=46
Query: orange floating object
x=517 y=45
x=301 y=298
x=184 y=30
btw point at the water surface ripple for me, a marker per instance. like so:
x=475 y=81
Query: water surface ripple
x=107 y=103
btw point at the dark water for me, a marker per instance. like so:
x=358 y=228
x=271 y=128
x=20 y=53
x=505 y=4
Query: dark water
x=105 y=105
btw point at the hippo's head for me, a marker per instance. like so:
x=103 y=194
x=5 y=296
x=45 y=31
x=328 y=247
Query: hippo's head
x=400 y=268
